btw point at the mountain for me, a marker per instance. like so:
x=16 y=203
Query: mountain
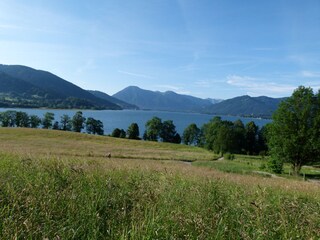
x=246 y=106
x=163 y=101
x=114 y=100
x=214 y=101
x=23 y=86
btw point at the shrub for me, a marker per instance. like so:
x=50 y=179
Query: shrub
x=229 y=156
x=275 y=165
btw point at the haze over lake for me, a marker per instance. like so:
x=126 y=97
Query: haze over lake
x=122 y=119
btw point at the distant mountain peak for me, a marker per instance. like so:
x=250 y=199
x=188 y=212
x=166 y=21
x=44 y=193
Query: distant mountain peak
x=163 y=101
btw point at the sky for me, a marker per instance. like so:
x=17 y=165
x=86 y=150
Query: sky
x=205 y=48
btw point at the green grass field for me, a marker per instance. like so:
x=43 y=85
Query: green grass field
x=59 y=185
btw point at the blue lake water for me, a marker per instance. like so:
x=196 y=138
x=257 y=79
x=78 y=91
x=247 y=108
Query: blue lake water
x=122 y=119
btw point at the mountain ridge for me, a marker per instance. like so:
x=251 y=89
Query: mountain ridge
x=114 y=100
x=162 y=101
x=57 y=92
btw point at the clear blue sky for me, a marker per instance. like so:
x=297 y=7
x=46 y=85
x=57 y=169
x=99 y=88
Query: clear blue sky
x=205 y=48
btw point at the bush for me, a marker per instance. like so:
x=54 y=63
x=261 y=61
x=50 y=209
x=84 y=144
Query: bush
x=275 y=165
x=229 y=156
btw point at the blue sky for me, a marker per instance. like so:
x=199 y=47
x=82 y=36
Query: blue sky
x=205 y=48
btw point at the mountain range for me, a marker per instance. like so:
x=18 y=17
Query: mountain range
x=22 y=86
x=162 y=101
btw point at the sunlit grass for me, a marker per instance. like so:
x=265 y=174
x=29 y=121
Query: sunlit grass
x=72 y=195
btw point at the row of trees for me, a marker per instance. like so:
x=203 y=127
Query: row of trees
x=77 y=123
x=155 y=130
x=223 y=136
x=132 y=132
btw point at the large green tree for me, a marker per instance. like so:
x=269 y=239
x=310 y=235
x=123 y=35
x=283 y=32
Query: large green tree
x=251 y=137
x=133 y=131
x=78 y=122
x=153 y=129
x=65 y=122
x=191 y=135
x=294 y=134
x=47 y=120
x=22 y=119
x=168 y=131
x=8 y=118
x=94 y=126
x=35 y=121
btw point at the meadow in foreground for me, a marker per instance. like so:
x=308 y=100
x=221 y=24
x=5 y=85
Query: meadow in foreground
x=59 y=185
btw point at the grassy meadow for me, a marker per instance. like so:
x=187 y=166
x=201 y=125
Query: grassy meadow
x=61 y=185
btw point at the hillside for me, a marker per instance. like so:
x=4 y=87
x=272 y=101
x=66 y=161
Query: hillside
x=163 y=101
x=114 y=100
x=48 y=90
x=246 y=106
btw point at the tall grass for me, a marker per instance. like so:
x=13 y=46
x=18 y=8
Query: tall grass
x=92 y=199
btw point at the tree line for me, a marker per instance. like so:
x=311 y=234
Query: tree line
x=77 y=123
x=156 y=130
x=222 y=136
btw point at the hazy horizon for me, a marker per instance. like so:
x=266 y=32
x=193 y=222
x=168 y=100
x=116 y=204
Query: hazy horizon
x=208 y=49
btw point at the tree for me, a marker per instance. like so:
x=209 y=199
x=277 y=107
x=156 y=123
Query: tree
x=35 y=121
x=22 y=119
x=47 y=120
x=94 y=126
x=177 y=138
x=122 y=133
x=78 y=122
x=116 y=133
x=65 y=122
x=153 y=129
x=210 y=132
x=239 y=131
x=191 y=135
x=56 y=126
x=133 y=131
x=226 y=139
x=8 y=118
x=168 y=131
x=251 y=137
x=293 y=136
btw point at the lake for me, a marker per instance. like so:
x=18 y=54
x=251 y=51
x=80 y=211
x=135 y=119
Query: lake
x=122 y=119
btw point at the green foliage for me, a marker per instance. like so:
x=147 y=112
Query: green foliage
x=168 y=131
x=22 y=119
x=191 y=135
x=65 y=122
x=177 y=138
x=116 y=133
x=122 y=133
x=293 y=136
x=47 y=120
x=8 y=118
x=153 y=129
x=35 y=121
x=275 y=165
x=78 y=122
x=251 y=134
x=94 y=126
x=56 y=126
x=133 y=131
x=225 y=136
x=229 y=156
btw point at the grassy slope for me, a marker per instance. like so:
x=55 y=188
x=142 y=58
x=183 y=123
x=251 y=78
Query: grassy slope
x=60 y=185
